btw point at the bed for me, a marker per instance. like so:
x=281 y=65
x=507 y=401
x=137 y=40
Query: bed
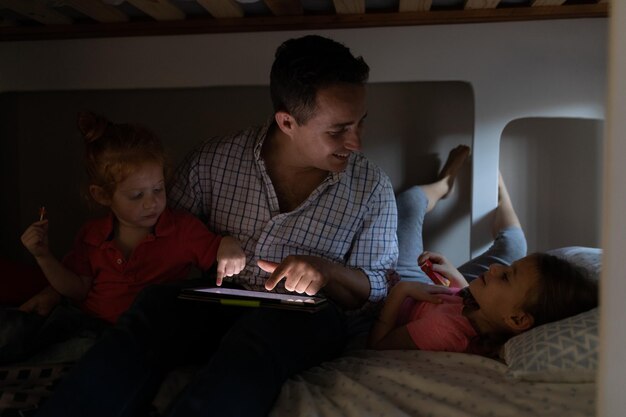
x=547 y=371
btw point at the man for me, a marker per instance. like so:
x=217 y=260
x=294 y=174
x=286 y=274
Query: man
x=313 y=216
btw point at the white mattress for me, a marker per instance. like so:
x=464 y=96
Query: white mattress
x=367 y=383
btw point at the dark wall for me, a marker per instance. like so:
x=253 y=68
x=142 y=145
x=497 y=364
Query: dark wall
x=409 y=131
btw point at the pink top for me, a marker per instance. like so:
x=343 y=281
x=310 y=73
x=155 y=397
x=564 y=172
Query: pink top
x=437 y=326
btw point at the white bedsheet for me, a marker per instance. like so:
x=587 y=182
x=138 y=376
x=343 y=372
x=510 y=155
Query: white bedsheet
x=367 y=383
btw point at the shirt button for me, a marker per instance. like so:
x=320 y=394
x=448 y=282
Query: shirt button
x=119 y=261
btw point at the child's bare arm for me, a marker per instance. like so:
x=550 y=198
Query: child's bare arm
x=67 y=283
x=385 y=333
x=43 y=302
x=231 y=259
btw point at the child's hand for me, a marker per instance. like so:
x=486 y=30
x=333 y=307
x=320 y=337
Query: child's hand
x=419 y=291
x=445 y=268
x=231 y=259
x=386 y=333
x=35 y=239
x=42 y=303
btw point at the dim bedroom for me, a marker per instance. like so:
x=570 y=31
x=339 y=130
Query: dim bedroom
x=535 y=100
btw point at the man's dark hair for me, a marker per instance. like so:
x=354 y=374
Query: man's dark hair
x=304 y=65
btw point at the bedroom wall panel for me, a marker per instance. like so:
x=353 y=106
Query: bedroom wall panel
x=408 y=133
x=553 y=168
x=553 y=68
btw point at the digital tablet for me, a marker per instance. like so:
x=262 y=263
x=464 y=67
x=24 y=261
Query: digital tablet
x=248 y=298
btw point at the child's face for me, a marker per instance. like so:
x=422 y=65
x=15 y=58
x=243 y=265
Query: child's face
x=139 y=199
x=502 y=290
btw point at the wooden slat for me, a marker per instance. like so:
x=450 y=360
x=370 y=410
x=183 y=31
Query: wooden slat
x=97 y=10
x=222 y=8
x=415 y=5
x=349 y=6
x=304 y=22
x=36 y=10
x=285 y=7
x=481 y=4
x=159 y=9
x=547 y=2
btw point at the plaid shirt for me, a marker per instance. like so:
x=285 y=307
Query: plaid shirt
x=351 y=218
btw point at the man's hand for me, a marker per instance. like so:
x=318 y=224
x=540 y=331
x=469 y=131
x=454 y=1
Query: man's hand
x=302 y=273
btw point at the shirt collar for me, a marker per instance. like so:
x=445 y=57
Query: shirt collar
x=333 y=177
x=261 y=136
x=101 y=230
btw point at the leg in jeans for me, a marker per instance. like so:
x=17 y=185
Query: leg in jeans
x=244 y=377
x=413 y=204
x=121 y=374
x=509 y=243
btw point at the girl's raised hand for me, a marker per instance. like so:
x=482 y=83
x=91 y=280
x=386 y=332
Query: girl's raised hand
x=35 y=239
x=231 y=259
x=444 y=267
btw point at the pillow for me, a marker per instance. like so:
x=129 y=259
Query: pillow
x=589 y=259
x=562 y=351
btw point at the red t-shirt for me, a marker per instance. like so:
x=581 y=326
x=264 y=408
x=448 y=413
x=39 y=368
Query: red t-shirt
x=437 y=327
x=179 y=241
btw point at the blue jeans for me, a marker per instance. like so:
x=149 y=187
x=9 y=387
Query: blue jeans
x=244 y=356
x=508 y=246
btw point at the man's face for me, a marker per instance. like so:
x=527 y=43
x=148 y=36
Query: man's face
x=327 y=139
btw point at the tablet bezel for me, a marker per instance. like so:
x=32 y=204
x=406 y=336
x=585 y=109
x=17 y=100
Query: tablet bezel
x=250 y=298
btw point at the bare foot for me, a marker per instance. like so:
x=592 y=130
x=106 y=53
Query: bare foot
x=439 y=189
x=450 y=169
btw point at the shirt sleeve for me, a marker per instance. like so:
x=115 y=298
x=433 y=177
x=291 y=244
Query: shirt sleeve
x=200 y=241
x=375 y=250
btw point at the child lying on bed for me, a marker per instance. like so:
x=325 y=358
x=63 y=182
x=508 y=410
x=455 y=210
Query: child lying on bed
x=140 y=241
x=505 y=295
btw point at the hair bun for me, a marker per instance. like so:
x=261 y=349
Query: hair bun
x=91 y=125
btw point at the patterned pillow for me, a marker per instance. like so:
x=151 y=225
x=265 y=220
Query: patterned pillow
x=563 y=351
